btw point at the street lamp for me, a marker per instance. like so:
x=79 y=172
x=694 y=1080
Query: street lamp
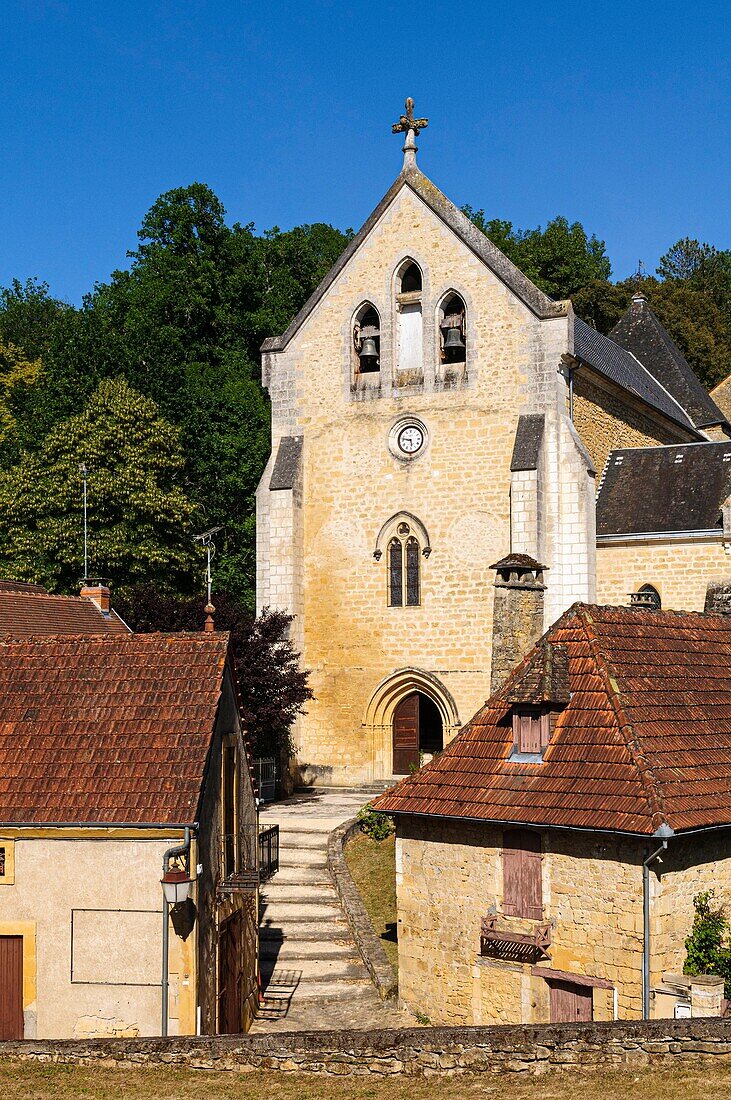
x=176 y=886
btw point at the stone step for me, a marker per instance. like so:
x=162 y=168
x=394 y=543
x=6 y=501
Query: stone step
x=314 y=970
x=304 y=877
x=279 y=912
x=319 y=991
x=277 y=891
x=334 y=931
x=302 y=857
x=303 y=841
x=307 y=949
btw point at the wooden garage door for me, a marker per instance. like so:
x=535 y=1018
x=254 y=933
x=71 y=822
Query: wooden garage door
x=11 y=987
x=570 y=1003
x=406 y=735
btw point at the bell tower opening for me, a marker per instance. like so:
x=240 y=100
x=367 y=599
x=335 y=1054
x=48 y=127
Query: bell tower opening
x=418 y=732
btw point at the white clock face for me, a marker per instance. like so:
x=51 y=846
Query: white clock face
x=410 y=439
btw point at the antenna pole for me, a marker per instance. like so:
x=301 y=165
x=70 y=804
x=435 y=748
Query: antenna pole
x=84 y=472
x=208 y=571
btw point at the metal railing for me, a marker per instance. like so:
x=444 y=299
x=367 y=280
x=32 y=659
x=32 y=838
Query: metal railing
x=268 y=851
x=265 y=769
x=238 y=860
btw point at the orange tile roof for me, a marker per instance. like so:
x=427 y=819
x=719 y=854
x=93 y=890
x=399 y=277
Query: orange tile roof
x=31 y=610
x=644 y=740
x=107 y=728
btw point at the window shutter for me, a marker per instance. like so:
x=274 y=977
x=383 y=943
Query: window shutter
x=531 y=877
x=512 y=876
x=522 y=890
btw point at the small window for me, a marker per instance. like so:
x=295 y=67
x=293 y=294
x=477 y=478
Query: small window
x=452 y=329
x=411 y=281
x=367 y=340
x=531 y=730
x=404 y=580
x=522 y=887
x=647 y=598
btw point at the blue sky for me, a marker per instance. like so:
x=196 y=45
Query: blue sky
x=615 y=114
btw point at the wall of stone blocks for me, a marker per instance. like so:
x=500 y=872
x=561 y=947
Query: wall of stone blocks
x=448 y=882
x=459 y=488
x=606 y=420
x=679 y=570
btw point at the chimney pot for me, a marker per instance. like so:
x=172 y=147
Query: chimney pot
x=97 y=590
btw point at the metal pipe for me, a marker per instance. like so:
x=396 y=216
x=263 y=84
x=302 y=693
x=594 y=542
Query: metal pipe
x=665 y=832
x=170 y=853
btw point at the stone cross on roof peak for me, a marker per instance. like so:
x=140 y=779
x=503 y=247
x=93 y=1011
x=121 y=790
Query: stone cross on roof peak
x=410 y=126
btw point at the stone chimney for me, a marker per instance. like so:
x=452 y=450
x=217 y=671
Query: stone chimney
x=97 y=590
x=517 y=613
x=718 y=598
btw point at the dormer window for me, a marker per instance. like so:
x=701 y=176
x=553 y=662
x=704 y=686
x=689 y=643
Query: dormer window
x=367 y=340
x=531 y=730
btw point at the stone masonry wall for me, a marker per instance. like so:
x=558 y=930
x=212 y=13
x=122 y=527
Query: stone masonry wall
x=416 y=1052
x=592 y=893
x=606 y=420
x=680 y=571
x=352 y=484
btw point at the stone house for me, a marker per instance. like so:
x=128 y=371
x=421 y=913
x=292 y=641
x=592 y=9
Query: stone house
x=547 y=860
x=432 y=412
x=123 y=760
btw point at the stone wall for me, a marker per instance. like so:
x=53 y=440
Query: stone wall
x=679 y=570
x=458 y=487
x=607 y=420
x=446 y=884
x=416 y=1052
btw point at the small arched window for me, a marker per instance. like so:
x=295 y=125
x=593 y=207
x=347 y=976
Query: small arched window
x=404 y=579
x=411 y=279
x=367 y=340
x=409 y=324
x=452 y=330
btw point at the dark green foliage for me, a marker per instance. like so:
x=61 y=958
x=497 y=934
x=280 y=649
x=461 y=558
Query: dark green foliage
x=560 y=259
x=183 y=325
x=274 y=689
x=707 y=947
x=376 y=825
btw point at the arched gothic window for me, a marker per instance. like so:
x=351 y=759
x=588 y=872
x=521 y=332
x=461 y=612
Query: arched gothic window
x=367 y=340
x=646 y=598
x=404 y=580
x=410 y=321
x=452 y=330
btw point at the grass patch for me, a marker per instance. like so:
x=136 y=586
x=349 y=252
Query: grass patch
x=372 y=863
x=27 y=1081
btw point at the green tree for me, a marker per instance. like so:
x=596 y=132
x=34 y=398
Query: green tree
x=560 y=259
x=139 y=516
x=707 y=947
x=17 y=374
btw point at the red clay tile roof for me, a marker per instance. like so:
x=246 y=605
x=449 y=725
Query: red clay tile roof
x=644 y=740
x=111 y=728
x=31 y=610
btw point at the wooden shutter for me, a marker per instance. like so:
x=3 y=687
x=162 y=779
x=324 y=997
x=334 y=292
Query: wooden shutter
x=512 y=876
x=570 y=1003
x=11 y=987
x=522 y=889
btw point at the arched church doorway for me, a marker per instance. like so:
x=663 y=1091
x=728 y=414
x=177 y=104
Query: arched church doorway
x=418 y=732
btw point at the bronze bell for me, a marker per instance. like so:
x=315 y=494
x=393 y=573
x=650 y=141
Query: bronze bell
x=453 y=342
x=368 y=353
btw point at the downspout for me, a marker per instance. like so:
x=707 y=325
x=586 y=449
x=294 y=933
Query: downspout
x=664 y=833
x=171 y=853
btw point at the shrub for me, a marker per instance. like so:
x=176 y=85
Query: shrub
x=707 y=947
x=374 y=824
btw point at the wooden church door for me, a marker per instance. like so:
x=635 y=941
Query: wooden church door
x=406 y=735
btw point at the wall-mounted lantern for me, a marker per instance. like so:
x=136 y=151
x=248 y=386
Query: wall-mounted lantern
x=176 y=886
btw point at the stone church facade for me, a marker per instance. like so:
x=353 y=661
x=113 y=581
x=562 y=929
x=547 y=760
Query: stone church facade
x=432 y=411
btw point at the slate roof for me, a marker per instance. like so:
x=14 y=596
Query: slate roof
x=647 y=490
x=29 y=609
x=107 y=728
x=287 y=462
x=640 y=332
x=623 y=368
x=644 y=741
x=528 y=441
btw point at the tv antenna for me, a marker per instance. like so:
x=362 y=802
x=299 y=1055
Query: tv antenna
x=83 y=470
x=206 y=541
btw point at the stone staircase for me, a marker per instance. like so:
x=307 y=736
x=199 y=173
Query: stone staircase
x=312 y=973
